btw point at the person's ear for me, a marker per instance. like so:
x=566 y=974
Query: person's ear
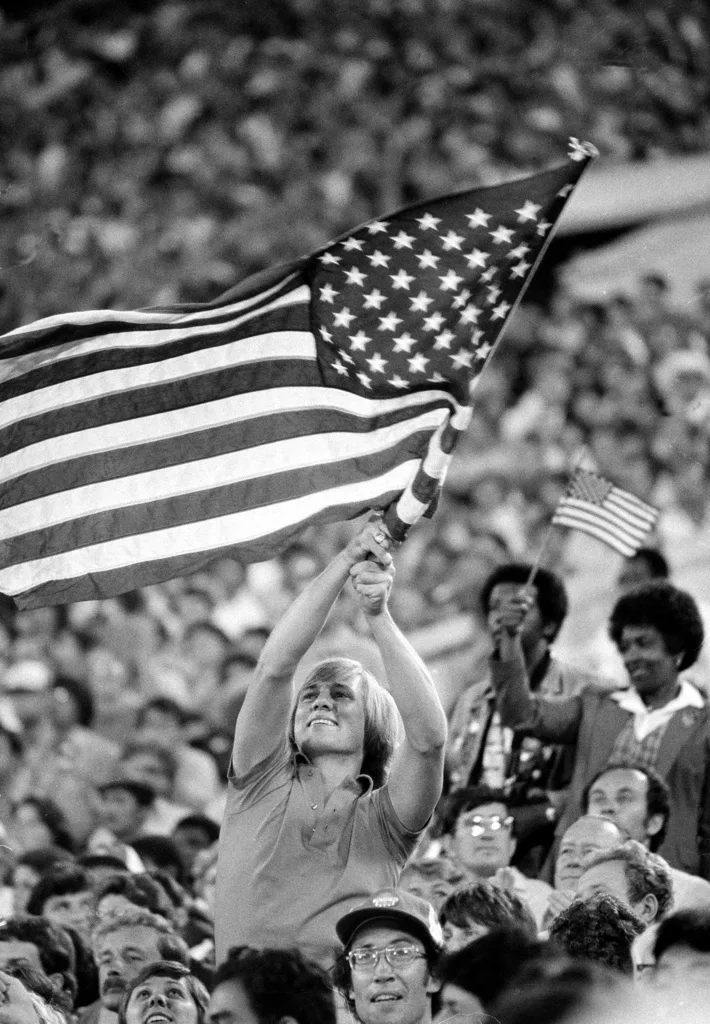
x=433 y=984
x=654 y=824
x=647 y=909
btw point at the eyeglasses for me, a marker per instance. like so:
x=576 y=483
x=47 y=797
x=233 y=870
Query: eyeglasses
x=478 y=825
x=396 y=956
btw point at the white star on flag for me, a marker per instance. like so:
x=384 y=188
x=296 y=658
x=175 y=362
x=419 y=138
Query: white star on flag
x=428 y=259
x=390 y=322
x=404 y=343
x=403 y=240
x=354 y=276
x=343 y=318
x=478 y=219
x=502 y=235
x=420 y=303
x=377 y=226
x=358 y=341
x=328 y=293
x=528 y=211
x=374 y=300
x=401 y=279
x=378 y=259
x=352 y=243
x=428 y=222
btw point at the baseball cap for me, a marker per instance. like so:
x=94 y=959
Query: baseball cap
x=412 y=912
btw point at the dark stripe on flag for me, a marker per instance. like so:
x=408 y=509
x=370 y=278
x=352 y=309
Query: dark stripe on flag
x=204 y=444
x=290 y=318
x=66 y=333
x=163 y=397
x=186 y=508
x=142 y=574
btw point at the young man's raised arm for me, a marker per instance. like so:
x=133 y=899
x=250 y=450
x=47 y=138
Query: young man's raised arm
x=263 y=718
x=417 y=772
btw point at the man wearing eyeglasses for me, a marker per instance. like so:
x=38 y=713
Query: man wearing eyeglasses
x=388 y=968
x=482 y=844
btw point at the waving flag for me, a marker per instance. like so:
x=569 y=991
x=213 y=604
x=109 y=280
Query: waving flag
x=138 y=446
x=597 y=507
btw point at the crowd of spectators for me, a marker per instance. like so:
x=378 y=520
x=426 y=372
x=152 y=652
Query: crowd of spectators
x=159 y=152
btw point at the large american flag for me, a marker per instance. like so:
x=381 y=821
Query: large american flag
x=599 y=508
x=138 y=446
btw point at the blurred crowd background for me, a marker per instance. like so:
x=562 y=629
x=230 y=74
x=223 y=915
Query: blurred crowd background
x=160 y=152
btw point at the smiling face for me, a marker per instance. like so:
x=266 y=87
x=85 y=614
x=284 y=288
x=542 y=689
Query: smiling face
x=391 y=995
x=160 y=1000
x=651 y=666
x=330 y=716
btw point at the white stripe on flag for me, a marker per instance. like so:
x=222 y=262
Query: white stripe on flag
x=236 y=408
x=191 y=477
x=206 y=535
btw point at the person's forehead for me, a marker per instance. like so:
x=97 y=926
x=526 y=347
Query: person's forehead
x=230 y=997
x=17 y=949
x=139 y=936
x=622 y=778
x=609 y=871
x=159 y=982
x=633 y=631
x=589 y=829
x=509 y=588
x=380 y=933
x=485 y=811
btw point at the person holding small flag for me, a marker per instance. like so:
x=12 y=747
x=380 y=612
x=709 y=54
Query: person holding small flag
x=658 y=721
x=324 y=805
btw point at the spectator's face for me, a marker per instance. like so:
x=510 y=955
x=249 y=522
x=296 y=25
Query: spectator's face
x=502 y=593
x=681 y=969
x=456 y=938
x=633 y=572
x=161 y=724
x=621 y=795
x=161 y=1001
x=483 y=840
x=330 y=717
x=28 y=830
x=72 y=910
x=430 y=888
x=608 y=878
x=113 y=904
x=457 y=1001
x=120 y=955
x=648 y=661
x=107 y=675
x=391 y=995
x=121 y=813
x=191 y=840
x=150 y=768
x=229 y=1004
x=586 y=836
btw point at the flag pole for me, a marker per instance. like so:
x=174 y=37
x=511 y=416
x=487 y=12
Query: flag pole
x=551 y=525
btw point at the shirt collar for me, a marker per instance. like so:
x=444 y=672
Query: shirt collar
x=687 y=697
x=365 y=781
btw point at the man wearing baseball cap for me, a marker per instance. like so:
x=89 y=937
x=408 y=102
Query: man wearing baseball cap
x=388 y=968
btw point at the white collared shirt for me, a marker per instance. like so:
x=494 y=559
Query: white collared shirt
x=648 y=720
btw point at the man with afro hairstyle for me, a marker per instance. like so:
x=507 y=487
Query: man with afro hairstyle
x=480 y=751
x=658 y=721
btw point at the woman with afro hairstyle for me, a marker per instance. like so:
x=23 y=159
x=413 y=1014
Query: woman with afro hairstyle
x=658 y=720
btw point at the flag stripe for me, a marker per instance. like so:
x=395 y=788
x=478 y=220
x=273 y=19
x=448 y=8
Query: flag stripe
x=71 y=328
x=241 y=468
x=256 y=403
x=65 y=471
x=624 y=547
x=198 y=344
x=636 y=510
x=578 y=517
x=609 y=509
x=204 y=536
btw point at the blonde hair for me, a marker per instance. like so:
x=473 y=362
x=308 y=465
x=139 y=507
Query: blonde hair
x=382 y=721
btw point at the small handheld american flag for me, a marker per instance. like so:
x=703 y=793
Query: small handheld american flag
x=597 y=507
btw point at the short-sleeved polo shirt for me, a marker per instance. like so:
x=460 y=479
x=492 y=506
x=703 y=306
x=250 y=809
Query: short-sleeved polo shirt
x=291 y=863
